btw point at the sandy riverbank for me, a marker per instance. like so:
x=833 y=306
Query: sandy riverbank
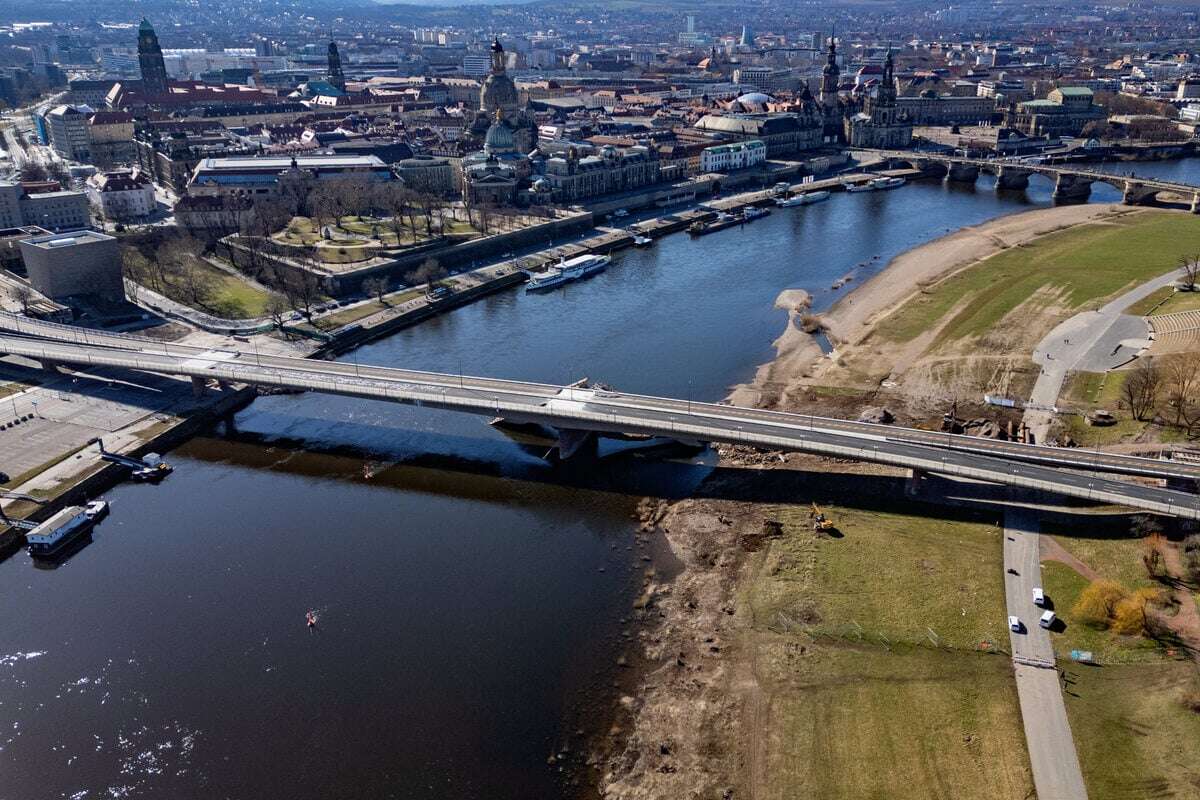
x=696 y=725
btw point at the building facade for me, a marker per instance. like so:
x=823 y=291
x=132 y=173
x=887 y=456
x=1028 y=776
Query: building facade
x=74 y=264
x=881 y=123
x=123 y=196
x=738 y=155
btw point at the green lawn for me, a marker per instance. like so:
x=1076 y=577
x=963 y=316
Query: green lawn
x=1100 y=389
x=860 y=703
x=1079 y=266
x=1180 y=301
x=365 y=310
x=232 y=297
x=892 y=574
x=1086 y=435
x=1134 y=738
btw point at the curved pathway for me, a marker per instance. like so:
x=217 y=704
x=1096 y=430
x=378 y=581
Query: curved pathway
x=1096 y=341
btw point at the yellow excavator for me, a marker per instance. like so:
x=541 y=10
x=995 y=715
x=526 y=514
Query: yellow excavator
x=820 y=521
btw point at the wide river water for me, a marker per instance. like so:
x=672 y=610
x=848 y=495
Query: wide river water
x=471 y=598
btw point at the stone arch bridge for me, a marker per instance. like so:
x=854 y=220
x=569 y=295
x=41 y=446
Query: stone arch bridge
x=1070 y=183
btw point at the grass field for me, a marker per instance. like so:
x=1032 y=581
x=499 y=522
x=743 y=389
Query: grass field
x=855 y=723
x=365 y=310
x=1101 y=389
x=890 y=715
x=891 y=574
x=1077 y=266
x=1134 y=738
x=1165 y=301
x=231 y=297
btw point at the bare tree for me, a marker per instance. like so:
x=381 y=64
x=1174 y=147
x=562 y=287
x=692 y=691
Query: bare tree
x=1182 y=380
x=196 y=284
x=277 y=309
x=1141 y=389
x=136 y=267
x=23 y=295
x=325 y=205
x=376 y=287
x=303 y=291
x=429 y=271
x=1189 y=267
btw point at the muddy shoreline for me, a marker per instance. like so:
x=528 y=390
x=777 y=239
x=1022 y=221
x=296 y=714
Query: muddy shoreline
x=682 y=732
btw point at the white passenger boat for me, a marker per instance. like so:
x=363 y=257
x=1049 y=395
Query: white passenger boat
x=807 y=198
x=570 y=270
x=56 y=534
x=888 y=183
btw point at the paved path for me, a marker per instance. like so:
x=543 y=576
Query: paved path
x=1056 y=772
x=1094 y=340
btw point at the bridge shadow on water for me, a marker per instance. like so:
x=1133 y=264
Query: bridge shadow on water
x=434 y=463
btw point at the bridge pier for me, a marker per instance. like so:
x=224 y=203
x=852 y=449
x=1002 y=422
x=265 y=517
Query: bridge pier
x=47 y=364
x=1010 y=177
x=1135 y=193
x=932 y=169
x=573 y=443
x=1195 y=207
x=198 y=386
x=963 y=173
x=1071 y=187
x=914 y=482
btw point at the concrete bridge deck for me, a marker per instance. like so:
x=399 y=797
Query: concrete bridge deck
x=572 y=410
x=1089 y=460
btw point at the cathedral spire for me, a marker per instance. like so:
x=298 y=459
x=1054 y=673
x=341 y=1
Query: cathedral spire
x=150 y=59
x=336 y=76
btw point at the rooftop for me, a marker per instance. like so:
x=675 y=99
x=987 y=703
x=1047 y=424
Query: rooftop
x=67 y=239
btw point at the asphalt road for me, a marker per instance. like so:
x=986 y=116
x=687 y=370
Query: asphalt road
x=1052 y=756
x=1090 y=460
x=601 y=411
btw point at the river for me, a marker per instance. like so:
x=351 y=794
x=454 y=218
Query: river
x=472 y=599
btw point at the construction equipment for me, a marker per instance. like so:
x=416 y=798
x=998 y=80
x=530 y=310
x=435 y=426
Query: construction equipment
x=820 y=521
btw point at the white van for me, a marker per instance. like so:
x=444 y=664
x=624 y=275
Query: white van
x=1047 y=619
x=1014 y=624
x=1039 y=597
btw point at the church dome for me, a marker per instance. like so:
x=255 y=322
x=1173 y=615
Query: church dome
x=499 y=139
x=755 y=99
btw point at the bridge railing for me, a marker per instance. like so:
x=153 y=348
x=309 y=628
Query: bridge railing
x=882 y=452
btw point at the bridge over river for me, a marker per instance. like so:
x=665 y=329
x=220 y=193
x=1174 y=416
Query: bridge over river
x=580 y=414
x=1070 y=182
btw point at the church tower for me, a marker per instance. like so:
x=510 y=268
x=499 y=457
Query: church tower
x=829 y=77
x=828 y=96
x=150 y=59
x=336 y=76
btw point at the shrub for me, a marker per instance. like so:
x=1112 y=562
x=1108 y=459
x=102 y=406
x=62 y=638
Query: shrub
x=1098 y=601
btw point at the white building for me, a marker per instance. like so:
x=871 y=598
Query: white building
x=121 y=196
x=727 y=157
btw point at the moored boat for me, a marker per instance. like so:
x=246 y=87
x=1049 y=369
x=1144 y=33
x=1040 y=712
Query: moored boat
x=888 y=183
x=754 y=212
x=59 y=532
x=804 y=199
x=569 y=270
